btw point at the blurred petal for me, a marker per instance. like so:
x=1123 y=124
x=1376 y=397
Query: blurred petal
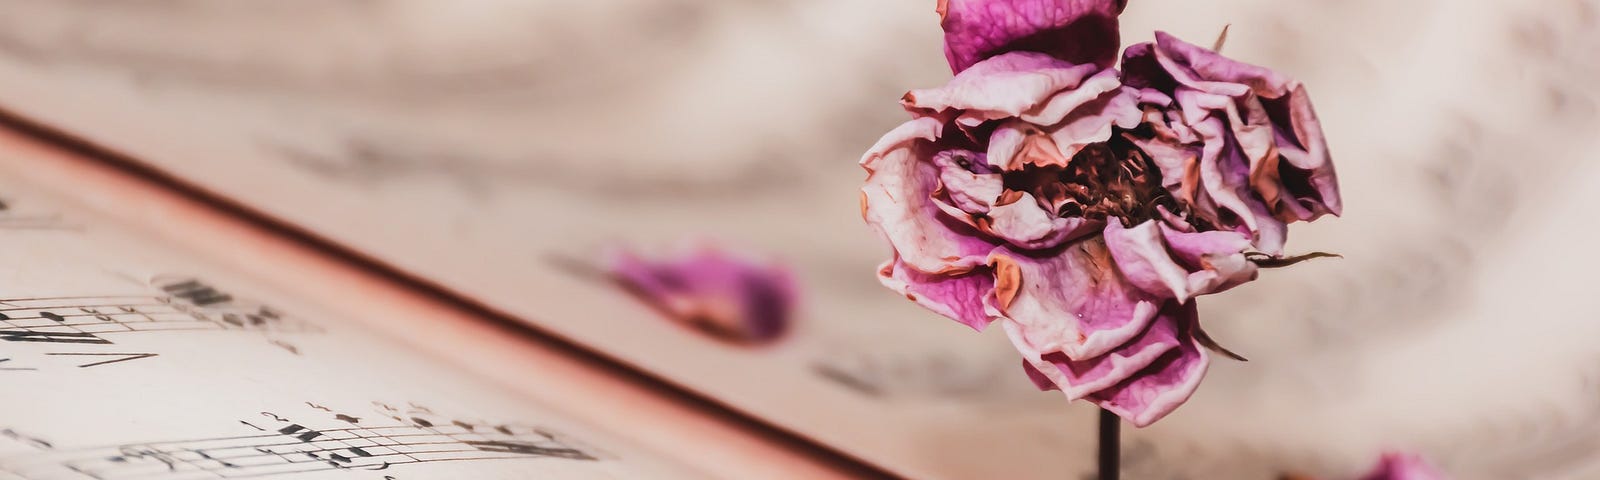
x=1078 y=31
x=1161 y=387
x=1073 y=301
x=958 y=297
x=1398 y=466
x=727 y=296
x=896 y=201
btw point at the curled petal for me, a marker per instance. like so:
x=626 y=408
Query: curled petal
x=1142 y=257
x=1004 y=86
x=1073 y=301
x=1160 y=388
x=1078 y=31
x=896 y=202
x=724 y=295
x=1269 y=113
x=1052 y=138
x=968 y=191
x=1078 y=379
x=959 y=297
x=1171 y=263
x=1224 y=178
x=1056 y=108
x=1016 y=144
x=1092 y=122
x=1025 y=224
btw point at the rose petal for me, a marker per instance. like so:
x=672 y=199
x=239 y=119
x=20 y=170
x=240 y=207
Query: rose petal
x=1275 y=124
x=1073 y=301
x=1156 y=391
x=1025 y=224
x=1078 y=379
x=1056 y=108
x=1216 y=259
x=1165 y=261
x=1016 y=144
x=1224 y=179
x=1078 y=31
x=728 y=296
x=1092 y=122
x=959 y=297
x=1399 y=466
x=1142 y=257
x=972 y=193
x=1000 y=87
x=896 y=202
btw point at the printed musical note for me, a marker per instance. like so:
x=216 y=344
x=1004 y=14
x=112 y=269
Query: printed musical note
x=298 y=447
x=84 y=319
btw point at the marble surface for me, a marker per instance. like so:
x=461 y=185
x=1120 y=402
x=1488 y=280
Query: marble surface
x=471 y=142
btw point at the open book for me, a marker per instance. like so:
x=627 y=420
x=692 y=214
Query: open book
x=316 y=241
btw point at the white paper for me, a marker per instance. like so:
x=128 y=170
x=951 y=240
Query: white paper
x=122 y=358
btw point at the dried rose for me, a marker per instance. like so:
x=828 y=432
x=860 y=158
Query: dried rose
x=1029 y=191
x=727 y=296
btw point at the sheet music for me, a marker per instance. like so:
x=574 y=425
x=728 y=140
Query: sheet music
x=472 y=165
x=122 y=358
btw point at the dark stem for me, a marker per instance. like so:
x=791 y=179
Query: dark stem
x=1110 y=444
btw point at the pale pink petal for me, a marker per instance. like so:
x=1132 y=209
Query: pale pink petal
x=1078 y=379
x=959 y=297
x=1141 y=255
x=1025 y=224
x=1072 y=301
x=1056 y=108
x=1092 y=123
x=1165 y=261
x=1160 y=388
x=969 y=191
x=1000 y=87
x=896 y=202
x=1399 y=466
x=1216 y=259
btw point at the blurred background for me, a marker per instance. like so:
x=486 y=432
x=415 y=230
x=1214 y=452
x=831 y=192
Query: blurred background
x=472 y=143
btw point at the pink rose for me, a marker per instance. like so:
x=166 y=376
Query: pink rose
x=1035 y=190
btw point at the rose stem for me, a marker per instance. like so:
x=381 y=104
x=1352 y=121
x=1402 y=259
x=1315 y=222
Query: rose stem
x=1110 y=444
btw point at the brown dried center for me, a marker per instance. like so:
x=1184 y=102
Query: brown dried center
x=1103 y=180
